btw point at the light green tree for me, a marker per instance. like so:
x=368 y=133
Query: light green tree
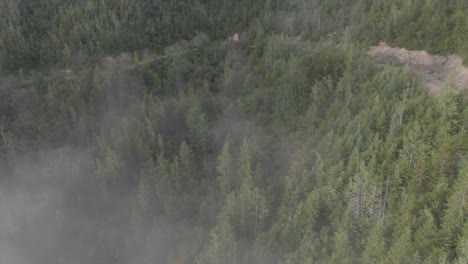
x=225 y=169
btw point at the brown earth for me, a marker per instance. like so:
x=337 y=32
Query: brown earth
x=435 y=70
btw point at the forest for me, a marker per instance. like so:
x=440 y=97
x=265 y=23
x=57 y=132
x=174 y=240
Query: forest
x=234 y=131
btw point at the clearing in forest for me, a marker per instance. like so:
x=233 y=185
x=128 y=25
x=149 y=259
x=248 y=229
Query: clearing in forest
x=435 y=70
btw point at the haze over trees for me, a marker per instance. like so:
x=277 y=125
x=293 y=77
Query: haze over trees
x=137 y=132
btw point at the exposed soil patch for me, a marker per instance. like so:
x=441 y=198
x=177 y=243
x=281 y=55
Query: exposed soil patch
x=435 y=70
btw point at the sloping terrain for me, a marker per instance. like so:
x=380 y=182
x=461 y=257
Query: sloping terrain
x=435 y=70
x=129 y=136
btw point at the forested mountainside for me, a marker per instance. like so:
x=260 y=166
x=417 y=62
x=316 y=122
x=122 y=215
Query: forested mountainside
x=148 y=132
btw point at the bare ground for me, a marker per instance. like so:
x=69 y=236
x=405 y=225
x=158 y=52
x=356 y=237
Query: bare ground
x=435 y=70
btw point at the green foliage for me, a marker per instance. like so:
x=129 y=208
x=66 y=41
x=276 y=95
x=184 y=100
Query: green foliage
x=226 y=169
x=272 y=149
x=375 y=245
x=48 y=33
x=223 y=245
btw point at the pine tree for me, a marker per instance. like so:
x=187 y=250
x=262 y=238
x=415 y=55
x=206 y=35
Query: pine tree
x=198 y=130
x=342 y=249
x=223 y=246
x=143 y=196
x=458 y=202
x=425 y=237
x=462 y=246
x=108 y=167
x=185 y=168
x=375 y=249
x=401 y=250
x=225 y=169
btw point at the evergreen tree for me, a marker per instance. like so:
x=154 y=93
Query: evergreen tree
x=225 y=169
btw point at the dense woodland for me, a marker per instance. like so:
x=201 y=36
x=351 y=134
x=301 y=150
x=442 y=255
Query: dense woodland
x=287 y=146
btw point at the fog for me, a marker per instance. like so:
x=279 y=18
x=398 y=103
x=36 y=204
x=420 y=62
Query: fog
x=54 y=208
x=42 y=200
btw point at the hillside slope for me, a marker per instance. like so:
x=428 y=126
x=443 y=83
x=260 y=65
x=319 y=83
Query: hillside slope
x=283 y=144
x=436 y=71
